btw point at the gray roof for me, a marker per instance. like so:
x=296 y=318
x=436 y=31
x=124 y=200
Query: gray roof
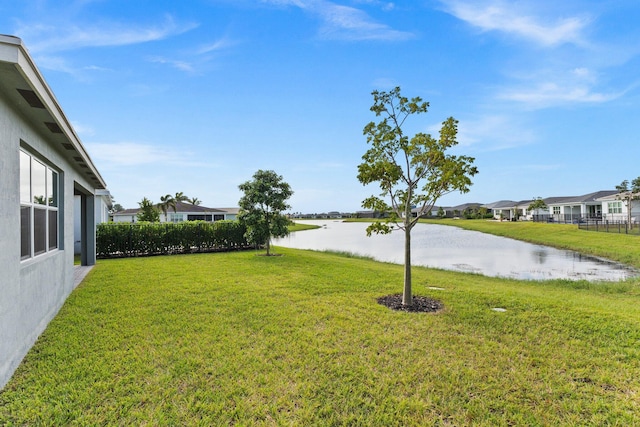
x=591 y=197
x=181 y=208
x=465 y=206
x=500 y=204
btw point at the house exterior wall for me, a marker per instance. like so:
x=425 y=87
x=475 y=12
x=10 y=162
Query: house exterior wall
x=174 y=217
x=31 y=290
x=34 y=289
x=124 y=218
x=623 y=215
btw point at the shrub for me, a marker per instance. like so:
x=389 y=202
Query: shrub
x=141 y=239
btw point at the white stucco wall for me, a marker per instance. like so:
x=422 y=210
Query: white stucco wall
x=31 y=291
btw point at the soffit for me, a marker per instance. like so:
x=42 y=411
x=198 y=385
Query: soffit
x=27 y=92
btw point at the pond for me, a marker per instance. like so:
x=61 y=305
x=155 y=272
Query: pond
x=453 y=248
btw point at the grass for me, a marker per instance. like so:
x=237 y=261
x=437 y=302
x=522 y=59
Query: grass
x=301 y=227
x=235 y=338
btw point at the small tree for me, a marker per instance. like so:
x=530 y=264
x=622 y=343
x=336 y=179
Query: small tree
x=410 y=172
x=116 y=208
x=628 y=195
x=148 y=211
x=536 y=205
x=265 y=198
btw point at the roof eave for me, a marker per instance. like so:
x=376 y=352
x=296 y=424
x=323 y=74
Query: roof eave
x=13 y=51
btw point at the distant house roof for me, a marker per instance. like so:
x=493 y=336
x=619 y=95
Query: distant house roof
x=555 y=200
x=231 y=211
x=500 y=204
x=182 y=208
x=614 y=196
x=591 y=197
x=463 y=207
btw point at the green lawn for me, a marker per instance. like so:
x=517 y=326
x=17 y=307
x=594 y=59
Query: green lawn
x=237 y=338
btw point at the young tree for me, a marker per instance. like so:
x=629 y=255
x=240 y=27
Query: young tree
x=410 y=172
x=265 y=198
x=148 y=211
x=116 y=208
x=167 y=202
x=628 y=195
x=536 y=205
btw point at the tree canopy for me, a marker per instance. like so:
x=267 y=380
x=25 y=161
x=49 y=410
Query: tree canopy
x=148 y=211
x=166 y=202
x=537 y=204
x=628 y=194
x=265 y=198
x=411 y=172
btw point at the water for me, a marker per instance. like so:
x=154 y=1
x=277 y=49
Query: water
x=452 y=248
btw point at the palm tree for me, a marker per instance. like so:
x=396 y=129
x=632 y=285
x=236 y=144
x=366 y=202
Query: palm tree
x=180 y=197
x=195 y=201
x=167 y=202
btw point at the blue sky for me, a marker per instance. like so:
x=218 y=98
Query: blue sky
x=197 y=95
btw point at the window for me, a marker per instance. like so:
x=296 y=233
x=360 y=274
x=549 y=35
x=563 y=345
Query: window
x=556 y=210
x=199 y=218
x=176 y=217
x=615 y=207
x=38 y=207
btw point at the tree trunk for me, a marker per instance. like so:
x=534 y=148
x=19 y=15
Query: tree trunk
x=407 y=297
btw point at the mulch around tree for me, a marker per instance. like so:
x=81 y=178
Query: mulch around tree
x=420 y=304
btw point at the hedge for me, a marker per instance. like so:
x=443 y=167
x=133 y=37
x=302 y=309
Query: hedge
x=143 y=239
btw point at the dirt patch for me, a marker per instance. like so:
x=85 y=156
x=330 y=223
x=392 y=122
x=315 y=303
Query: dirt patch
x=419 y=305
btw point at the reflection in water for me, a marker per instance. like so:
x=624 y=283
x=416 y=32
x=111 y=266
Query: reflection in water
x=452 y=248
x=539 y=255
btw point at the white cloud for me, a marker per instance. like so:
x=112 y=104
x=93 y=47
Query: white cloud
x=344 y=22
x=546 y=94
x=217 y=45
x=121 y=154
x=82 y=130
x=550 y=88
x=385 y=83
x=341 y=22
x=180 y=65
x=498 y=15
x=50 y=38
x=60 y=64
x=491 y=132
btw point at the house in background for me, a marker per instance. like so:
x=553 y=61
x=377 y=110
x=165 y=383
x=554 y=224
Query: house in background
x=614 y=208
x=502 y=209
x=184 y=212
x=574 y=209
x=43 y=167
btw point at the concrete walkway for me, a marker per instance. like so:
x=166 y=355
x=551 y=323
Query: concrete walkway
x=79 y=273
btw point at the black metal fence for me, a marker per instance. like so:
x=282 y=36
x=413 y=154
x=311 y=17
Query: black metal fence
x=610 y=226
x=566 y=218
